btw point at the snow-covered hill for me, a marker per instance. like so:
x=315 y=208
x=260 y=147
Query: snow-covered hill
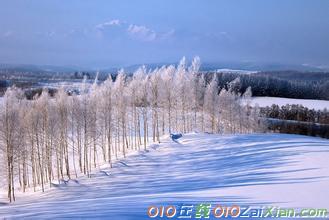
x=258 y=169
x=309 y=103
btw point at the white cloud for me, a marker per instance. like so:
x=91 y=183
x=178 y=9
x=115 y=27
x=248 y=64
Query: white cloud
x=139 y=32
x=142 y=32
x=115 y=22
x=104 y=25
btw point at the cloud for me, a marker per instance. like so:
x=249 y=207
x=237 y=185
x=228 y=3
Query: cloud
x=142 y=32
x=135 y=31
x=115 y=22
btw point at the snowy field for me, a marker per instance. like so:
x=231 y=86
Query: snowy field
x=258 y=169
x=309 y=103
x=70 y=84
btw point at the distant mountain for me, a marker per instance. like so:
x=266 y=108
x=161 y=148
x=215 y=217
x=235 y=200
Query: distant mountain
x=237 y=66
x=206 y=66
x=133 y=68
x=37 y=68
x=250 y=66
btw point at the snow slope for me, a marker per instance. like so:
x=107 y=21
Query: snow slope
x=309 y=103
x=257 y=169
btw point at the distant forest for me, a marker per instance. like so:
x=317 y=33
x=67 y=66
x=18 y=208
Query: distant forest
x=296 y=119
x=296 y=113
x=288 y=84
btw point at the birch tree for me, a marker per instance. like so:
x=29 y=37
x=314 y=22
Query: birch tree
x=10 y=136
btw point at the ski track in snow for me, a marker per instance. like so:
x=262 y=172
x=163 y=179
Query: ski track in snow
x=256 y=169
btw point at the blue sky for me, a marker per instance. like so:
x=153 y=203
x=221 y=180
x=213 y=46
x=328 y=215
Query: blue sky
x=106 y=33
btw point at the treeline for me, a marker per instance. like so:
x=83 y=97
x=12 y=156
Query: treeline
x=289 y=84
x=299 y=76
x=295 y=85
x=53 y=138
x=296 y=119
x=298 y=127
x=296 y=113
x=4 y=84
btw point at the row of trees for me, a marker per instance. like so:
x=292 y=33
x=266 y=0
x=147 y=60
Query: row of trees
x=296 y=113
x=298 y=127
x=54 y=138
x=298 y=85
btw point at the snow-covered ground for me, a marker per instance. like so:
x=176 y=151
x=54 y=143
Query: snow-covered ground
x=309 y=103
x=71 y=85
x=256 y=169
x=235 y=71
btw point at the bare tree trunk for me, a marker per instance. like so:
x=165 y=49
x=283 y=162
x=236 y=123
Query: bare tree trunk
x=40 y=162
x=139 y=132
x=145 y=126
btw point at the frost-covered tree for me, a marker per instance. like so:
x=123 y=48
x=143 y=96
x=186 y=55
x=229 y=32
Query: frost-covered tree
x=154 y=94
x=211 y=102
x=56 y=138
x=63 y=146
x=10 y=136
x=168 y=98
x=106 y=111
x=119 y=90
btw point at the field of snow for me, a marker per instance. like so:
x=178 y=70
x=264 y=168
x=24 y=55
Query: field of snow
x=258 y=169
x=309 y=103
x=235 y=71
x=70 y=84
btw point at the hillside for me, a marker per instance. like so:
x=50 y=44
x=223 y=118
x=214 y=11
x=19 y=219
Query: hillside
x=258 y=169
